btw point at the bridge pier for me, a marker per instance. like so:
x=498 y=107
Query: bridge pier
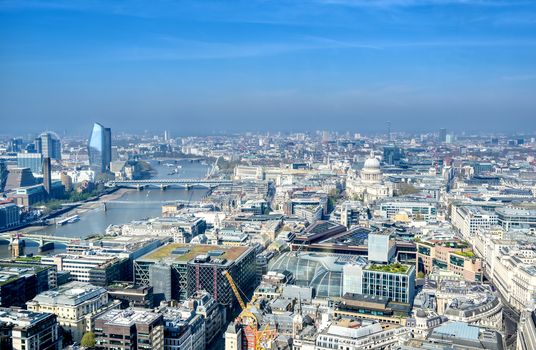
x=140 y=187
x=45 y=247
x=163 y=187
x=17 y=247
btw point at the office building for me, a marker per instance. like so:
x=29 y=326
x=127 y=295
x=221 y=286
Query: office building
x=34 y=161
x=15 y=145
x=97 y=269
x=183 y=328
x=177 y=270
x=394 y=281
x=233 y=336
x=3 y=174
x=351 y=334
x=516 y=218
x=182 y=228
x=392 y=155
x=27 y=330
x=381 y=247
x=100 y=148
x=421 y=209
x=460 y=335
x=442 y=135
x=9 y=215
x=369 y=307
x=526 y=331
x=21 y=282
x=213 y=312
x=468 y=302
x=350 y=213
x=449 y=255
x=49 y=145
x=352 y=280
x=76 y=304
x=130 y=329
x=132 y=296
x=469 y=219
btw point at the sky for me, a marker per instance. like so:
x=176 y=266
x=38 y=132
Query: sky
x=204 y=67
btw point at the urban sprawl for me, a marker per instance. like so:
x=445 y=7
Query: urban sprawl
x=300 y=241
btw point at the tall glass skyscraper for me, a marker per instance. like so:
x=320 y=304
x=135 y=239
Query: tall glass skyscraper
x=100 y=148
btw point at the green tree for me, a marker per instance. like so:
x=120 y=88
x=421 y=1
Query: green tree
x=88 y=340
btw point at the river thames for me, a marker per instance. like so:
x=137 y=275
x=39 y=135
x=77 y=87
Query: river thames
x=133 y=205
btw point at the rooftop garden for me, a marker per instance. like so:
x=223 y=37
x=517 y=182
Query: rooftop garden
x=466 y=253
x=28 y=259
x=391 y=268
x=193 y=250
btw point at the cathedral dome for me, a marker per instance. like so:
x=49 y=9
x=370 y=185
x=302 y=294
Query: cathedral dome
x=372 y=163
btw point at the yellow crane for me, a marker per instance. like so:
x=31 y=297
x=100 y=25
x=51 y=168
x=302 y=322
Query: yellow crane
x=261 y=336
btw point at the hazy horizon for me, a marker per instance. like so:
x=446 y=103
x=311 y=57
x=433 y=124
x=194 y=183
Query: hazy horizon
x=204 y=67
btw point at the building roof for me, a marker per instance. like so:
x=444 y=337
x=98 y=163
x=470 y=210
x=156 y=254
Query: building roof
x=70 y=294
x=117 y=317
x=181 y=252
x=21 y=318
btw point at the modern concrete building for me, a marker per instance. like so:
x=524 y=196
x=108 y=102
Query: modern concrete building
x=469 y=219
x=21 y=282
x=97 y=269
x=130 y=329
x=450 y=255
x=381 y=247
x=34 y=161
x=177 y=271
x=27 y=330
x=9 y=215
x=183 y=328
x=394 y=281
x=516 y=218
x=418 y=210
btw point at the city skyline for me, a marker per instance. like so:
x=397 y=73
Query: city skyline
x=206 y=67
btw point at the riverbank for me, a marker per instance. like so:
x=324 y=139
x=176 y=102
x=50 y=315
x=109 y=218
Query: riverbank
x=82 y=208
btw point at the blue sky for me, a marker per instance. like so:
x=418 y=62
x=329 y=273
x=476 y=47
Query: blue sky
x=204 y=67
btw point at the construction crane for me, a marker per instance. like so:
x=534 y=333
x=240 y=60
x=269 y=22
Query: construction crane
x=263 y=336
x=235 y=289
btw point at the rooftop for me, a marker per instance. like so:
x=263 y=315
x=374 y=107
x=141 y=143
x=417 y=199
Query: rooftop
x=129 y=317
x=21 y=318
x=11 y=271
x=181 y=252
x=72 y=294
x=391 y=268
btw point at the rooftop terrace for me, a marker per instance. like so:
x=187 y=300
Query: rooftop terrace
x=181 y=252
x=391 y=268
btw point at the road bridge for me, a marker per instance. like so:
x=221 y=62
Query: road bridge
x=164 y=183
x=45 y=242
